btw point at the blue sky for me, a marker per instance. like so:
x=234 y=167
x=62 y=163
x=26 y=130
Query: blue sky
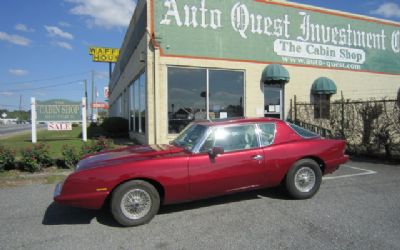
x=45 y=43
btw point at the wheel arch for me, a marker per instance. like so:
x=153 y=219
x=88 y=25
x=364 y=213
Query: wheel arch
x=158 y=186
x=318 y=160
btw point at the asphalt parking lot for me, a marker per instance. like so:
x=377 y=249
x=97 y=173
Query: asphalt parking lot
x=358 y=207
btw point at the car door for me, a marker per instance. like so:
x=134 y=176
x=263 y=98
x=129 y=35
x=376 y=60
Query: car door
x=240 y=167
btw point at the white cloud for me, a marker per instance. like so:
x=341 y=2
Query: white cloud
x=107 y=14
x=57 y=32
x=6 y=93
x=40 y=93
x=23 y=27
x=388 y=10
x=64 y=24
x=18 y=72
x=63 y=45
x=102 y=75
x=14 y=39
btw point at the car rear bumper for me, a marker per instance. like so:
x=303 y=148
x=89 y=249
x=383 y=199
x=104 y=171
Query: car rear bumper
x=332 y=165
x=85 y=200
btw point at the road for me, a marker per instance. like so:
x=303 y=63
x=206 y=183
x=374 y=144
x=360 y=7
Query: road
x=356 y=208
x=7 y=130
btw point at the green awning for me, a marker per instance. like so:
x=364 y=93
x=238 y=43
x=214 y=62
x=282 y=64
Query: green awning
x=323 y=86
x=275 y=72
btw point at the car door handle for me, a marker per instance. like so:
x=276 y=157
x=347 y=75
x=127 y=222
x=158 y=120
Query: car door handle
x=258 y=157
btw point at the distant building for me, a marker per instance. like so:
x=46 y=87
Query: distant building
x=186 y=60
x=8 y=121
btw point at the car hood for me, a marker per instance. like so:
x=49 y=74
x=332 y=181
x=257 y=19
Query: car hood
x=129 y=155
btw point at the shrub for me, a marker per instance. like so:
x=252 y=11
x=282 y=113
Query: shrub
x=70 y=156
x=36 y=158
x=101 y=144
x=29 y=161
x=116 y=126
x=7 y=158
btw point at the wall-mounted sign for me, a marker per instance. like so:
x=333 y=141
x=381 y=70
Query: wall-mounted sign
x=106 y=92
x=59 y=126
x=104 y=54
x=99 y=105
x=276 y=32
x=58 y=110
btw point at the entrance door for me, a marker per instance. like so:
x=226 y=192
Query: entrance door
x=274 y=100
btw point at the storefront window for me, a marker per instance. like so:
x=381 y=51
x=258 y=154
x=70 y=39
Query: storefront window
x=137 y=90
x=136 y=105
x=188 y=98
x=142 y=93
x=322 y=106
x=226 y=94
x=131 y=109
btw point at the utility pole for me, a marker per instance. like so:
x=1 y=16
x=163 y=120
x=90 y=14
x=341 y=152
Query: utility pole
x=91 y=106
x=85 y=81
x=20 y=102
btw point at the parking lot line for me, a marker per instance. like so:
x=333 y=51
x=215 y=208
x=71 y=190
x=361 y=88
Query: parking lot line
x=364 y=172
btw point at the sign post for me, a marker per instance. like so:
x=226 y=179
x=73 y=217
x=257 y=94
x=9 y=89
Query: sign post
x=84 y=121
x=33 y=119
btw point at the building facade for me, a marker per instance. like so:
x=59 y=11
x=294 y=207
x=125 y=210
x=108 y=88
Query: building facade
x=203 y=59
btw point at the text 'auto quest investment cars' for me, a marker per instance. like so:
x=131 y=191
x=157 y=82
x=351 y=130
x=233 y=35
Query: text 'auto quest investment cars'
x=207 y=159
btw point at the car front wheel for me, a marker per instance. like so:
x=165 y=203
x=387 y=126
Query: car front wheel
x=134 y=203
x=303 y=179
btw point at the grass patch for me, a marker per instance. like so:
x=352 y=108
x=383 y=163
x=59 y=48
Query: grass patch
x=53 y=179
x=55 y=140
x=9 y=174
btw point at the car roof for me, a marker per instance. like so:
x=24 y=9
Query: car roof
x=229 y=121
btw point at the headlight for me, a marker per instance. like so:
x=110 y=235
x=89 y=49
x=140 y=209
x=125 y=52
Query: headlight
x=58 y=189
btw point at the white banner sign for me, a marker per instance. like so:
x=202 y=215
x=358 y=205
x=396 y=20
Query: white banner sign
x=59 y=126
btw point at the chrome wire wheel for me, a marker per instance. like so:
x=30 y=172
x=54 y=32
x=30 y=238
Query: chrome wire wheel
x=136 y=204
x=304 y=179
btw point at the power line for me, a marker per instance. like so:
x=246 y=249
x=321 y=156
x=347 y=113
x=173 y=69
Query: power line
x=43 y=87
x=48 y=79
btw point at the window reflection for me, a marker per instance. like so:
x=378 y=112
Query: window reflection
x=137 y=103
x=226 y=94
x=187 y=95
x=232 y=138
x=142 y=108
x=267 y=133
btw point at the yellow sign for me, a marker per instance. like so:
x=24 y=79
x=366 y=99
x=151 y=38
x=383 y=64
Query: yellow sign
x=104 y=54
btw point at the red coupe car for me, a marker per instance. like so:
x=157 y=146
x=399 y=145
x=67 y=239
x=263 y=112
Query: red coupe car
x=207 y=159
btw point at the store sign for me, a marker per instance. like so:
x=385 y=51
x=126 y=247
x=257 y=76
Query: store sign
x=106 y=92
x=99 y=105
x=104 y=54
x=273 y=32
x=59 y=126
x=58 y=110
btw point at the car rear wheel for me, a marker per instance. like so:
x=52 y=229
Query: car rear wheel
x=303 y=179
x=135 y=203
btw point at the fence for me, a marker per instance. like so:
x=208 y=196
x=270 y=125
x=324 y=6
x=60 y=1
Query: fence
x=369 y=127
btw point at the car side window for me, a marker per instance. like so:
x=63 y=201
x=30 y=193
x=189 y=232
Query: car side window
x=231 y=138
x=267 y=133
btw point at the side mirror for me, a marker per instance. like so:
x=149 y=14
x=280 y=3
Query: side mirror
x=213 y=152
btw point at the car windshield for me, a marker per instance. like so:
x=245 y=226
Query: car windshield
x=190 y=136
x=302 y=131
